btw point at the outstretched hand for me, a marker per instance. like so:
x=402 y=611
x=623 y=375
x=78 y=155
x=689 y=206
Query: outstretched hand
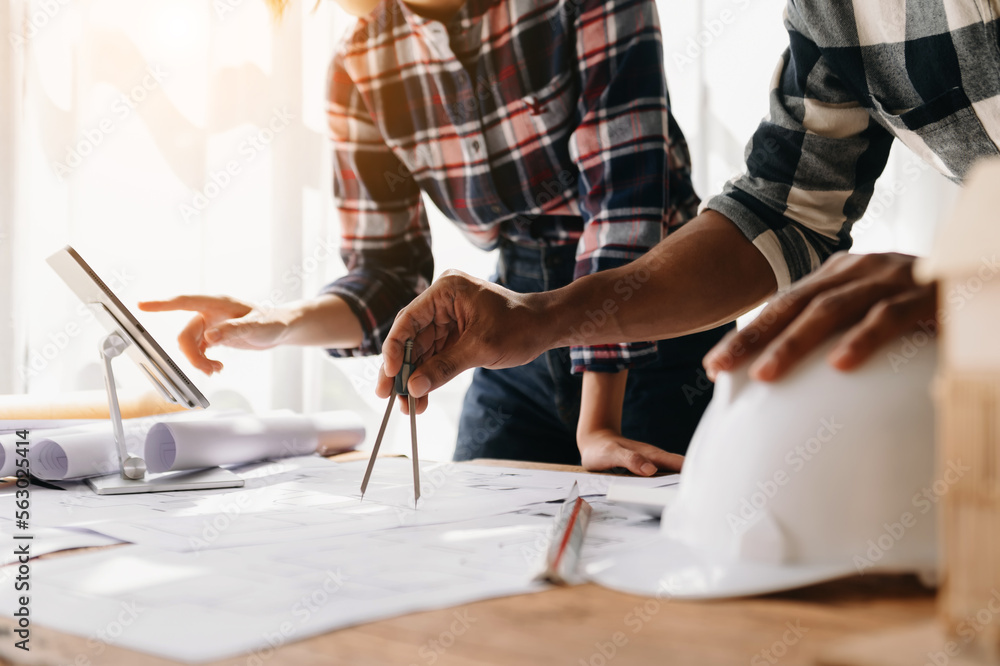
x=461 y=322
x=871 y=298
x=220 y=320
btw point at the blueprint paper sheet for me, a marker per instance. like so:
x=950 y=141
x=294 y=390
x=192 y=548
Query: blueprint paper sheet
x=301 y=498
x=302 y=555
x=204 y=606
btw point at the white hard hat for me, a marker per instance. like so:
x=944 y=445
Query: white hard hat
x=821 y=475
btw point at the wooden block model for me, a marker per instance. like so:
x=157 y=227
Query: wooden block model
x=966 y=262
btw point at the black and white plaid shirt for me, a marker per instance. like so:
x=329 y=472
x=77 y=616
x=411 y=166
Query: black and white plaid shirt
x=856 y=75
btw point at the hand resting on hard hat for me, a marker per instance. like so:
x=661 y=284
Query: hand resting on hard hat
x=867 y=299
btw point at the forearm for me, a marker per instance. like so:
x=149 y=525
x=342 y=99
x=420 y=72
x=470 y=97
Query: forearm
x=703 y=275
x=601 y=399
x=324 y=321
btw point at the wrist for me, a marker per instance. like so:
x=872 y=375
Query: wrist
x=541 y=323
x=554 y=317
x=324 y=321
x=289 y=319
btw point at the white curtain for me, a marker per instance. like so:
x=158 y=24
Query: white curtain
x=179 y=146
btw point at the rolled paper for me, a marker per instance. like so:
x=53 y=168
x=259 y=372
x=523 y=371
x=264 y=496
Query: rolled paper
x=182 y=445
x=82 y=452
x=76 y=456
x=8 y=454
x=183 y=442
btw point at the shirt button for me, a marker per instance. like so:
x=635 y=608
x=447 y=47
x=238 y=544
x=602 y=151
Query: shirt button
x=438 y=34
x=475 y=145
x=496 y=209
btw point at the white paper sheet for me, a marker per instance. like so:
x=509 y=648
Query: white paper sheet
x=46 y=540
x=244 y=600
x=181 y=445
x=308 y=497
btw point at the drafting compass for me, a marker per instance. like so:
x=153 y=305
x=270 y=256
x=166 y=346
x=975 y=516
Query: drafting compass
x=399 y=388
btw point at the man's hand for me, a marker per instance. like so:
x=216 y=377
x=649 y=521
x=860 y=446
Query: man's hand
x=220 y=321
x=605 y=449
x=461 y=322
x=872 y=297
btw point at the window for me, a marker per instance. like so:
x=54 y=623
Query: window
x=179 y=145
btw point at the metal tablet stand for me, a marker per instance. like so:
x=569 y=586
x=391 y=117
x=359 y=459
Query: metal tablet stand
x=132 y=477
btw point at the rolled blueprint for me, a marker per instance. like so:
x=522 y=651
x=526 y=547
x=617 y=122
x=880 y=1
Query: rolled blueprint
x=8 y=454
x=74 y=456
x=187 y=441
x=180 y=445
x=78 y=453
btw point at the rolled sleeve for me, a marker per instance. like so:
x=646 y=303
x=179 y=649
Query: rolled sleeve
x=385 y=237
x=811 y=166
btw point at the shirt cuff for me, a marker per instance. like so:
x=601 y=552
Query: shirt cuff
x=612 y=358
x=372 y=305
x=757 y=232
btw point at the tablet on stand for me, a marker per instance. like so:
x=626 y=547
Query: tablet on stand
x=126 y=335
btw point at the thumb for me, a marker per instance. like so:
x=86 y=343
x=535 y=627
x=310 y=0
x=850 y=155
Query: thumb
x=438 y=370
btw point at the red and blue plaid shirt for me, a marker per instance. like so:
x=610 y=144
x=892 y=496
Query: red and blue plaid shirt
x=539 y=122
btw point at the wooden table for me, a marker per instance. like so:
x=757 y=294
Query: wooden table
x=579 y=626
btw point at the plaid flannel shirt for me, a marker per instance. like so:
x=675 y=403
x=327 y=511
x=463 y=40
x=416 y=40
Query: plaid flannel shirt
x=856 y=75
x=539 y=122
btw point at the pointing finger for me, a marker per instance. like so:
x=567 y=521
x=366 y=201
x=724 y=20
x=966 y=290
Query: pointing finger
x=215 y=304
